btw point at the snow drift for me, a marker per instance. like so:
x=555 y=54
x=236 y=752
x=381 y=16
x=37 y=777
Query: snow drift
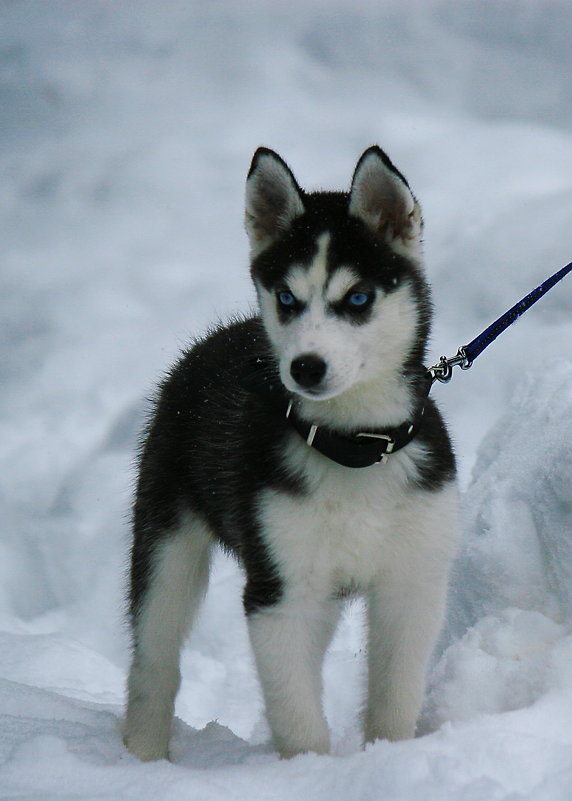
x=510 y=606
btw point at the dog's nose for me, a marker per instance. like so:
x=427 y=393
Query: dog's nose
x=308 y=370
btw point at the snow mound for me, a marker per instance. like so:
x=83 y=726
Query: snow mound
x=518 y=508
x=511 y=599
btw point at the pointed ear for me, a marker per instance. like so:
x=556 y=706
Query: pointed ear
x=273 y=199
x=381 y=198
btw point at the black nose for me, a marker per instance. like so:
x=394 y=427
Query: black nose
x=308 y=370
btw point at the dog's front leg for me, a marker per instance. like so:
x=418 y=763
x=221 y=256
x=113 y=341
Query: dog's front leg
x=406 y=607
x=404 y=617
x=289 y=640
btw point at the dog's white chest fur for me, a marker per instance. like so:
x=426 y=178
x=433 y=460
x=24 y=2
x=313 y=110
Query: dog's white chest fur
x=352 y=527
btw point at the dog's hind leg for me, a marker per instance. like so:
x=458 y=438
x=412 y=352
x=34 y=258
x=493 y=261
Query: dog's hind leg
x=169 y=580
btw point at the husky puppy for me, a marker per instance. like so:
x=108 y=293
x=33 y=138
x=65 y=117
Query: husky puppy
x=302 y=440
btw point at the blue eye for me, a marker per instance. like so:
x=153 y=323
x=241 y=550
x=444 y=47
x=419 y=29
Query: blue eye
x=286 y=299
x=358 y=299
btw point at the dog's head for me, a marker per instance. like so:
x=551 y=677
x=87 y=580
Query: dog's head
x=338 y=275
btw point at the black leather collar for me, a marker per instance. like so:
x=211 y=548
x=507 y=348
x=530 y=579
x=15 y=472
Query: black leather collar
x=362 y=449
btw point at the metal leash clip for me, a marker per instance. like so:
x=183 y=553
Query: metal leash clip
x=443 y=371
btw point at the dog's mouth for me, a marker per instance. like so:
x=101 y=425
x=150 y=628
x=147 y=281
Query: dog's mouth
x=324 y=392
x=313 y=394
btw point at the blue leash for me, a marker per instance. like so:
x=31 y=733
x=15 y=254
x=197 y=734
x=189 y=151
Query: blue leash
x=466 y=355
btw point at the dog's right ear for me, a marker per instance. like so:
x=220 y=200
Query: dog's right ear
x=273 y=199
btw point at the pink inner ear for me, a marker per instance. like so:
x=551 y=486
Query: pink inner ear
x=392 y=218
x=388 y=214
x=267 y=208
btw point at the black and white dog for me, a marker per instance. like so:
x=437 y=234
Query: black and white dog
x=302 y=441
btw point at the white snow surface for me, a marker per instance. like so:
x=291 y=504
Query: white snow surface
x=126 y=130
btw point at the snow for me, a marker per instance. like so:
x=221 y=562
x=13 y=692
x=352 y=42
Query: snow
x=126 y=131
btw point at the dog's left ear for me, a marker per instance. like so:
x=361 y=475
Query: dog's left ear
x=381 y=198
x=273 y=199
